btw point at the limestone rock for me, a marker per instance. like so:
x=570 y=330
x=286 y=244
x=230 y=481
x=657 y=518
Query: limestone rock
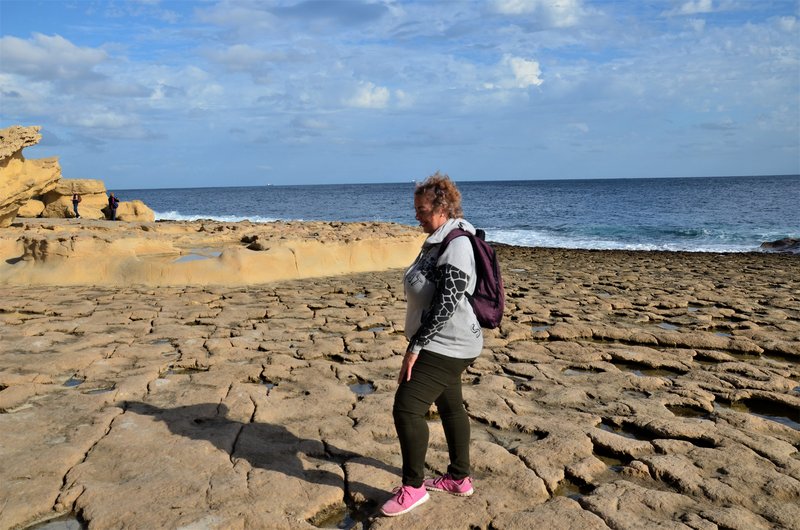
x=32 y=208
x=135 y=211
x=81 y=186
x=14 y=139
x=787 y=245
x=58 y=252
x=246 y=405
x=58 y=201
x=22 y=179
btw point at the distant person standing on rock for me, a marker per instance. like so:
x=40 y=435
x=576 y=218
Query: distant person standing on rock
x=444 y=339
x=113 y=202
x=76 y=198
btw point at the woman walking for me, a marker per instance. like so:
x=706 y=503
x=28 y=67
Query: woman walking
x=444 y=339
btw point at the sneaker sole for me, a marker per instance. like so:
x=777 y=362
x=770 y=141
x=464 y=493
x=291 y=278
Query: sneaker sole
x=422 y=500
x=464 y=494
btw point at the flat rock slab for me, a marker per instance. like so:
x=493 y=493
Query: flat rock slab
x=623 y=390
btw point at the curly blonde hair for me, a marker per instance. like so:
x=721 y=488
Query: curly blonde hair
x=442 y=193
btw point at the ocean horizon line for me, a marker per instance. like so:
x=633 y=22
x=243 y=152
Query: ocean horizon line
x=459 y=182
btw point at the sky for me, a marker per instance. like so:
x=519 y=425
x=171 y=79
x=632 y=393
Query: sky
x=171 y=94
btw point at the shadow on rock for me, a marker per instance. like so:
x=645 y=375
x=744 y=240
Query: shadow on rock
x=263 y=445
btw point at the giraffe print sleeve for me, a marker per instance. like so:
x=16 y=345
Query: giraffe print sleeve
x=451 y=286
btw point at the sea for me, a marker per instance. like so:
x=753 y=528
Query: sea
x=697 y=214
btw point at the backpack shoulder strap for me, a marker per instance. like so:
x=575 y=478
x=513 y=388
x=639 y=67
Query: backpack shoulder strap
x=454 y=233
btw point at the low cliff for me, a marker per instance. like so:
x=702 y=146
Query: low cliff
x=20 y=179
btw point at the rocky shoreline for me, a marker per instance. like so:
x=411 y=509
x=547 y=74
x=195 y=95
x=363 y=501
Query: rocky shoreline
x=80 y=252
x=623 y=390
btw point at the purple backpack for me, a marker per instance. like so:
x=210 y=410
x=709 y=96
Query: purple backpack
x=488 y=300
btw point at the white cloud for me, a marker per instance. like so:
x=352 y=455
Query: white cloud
x=102 y=120
x=697 y=24
x=240 y=57
x=312 y=124
x=580 y=126
x=526 y=73
x=403 y=98
x=369 y=96
x=787 y=24
x=692 y=7
x=557 y=13
x=48 y=58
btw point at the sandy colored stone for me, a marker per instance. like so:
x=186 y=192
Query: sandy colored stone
x=32 y=208
x=61 y=252
x=22 y=179
x=58 y=201
x=135 y=211
x=268 y=405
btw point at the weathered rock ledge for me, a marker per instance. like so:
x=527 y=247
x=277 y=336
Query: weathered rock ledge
x=87 y=252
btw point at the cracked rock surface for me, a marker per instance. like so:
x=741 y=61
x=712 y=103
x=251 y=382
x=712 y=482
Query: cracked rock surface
x=623 y=390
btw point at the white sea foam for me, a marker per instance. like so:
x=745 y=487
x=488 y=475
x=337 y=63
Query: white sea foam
x=531 y=238
x=175 y=216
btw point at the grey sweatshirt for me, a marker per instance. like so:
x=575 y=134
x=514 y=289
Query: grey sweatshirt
x=439 y=317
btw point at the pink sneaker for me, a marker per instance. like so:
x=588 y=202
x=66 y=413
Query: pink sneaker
x=461 y=488
x=405 y=499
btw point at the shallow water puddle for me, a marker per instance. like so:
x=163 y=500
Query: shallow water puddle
x=198 y=254
x=101 y=389
x=705 y=361
x=73 y=382
x=614 y=464
x=66 y=522
x=668 y=326
x=621 y=431
x=766 y=409
x=540 y=328
x=520 y=383
x=182 y=371
x=362 y=389
x=643 y=370
x=342 y=518
x=568 y=488
x=684 y=411
x=579 y=371
x=268 y=385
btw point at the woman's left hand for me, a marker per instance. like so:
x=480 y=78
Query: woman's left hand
x=408 y=364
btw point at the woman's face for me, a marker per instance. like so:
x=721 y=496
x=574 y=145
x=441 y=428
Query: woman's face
x=430 y=219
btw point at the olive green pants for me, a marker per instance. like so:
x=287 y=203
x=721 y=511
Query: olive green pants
x=436 y=379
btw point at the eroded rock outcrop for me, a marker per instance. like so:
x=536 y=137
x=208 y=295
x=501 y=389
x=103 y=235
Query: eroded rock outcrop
x=787 y=245
x=34 y=188
x=32 y=208
x=22 y=179
x=135 y=211
x=58 y=201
